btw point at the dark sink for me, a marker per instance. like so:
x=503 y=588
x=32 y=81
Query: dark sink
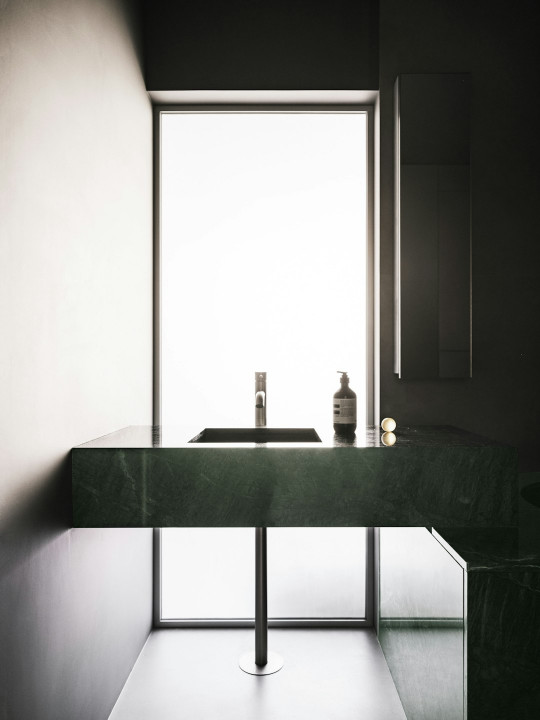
x=256 y=435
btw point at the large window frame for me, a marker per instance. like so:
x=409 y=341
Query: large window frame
x=366 y=621
x=371 y=350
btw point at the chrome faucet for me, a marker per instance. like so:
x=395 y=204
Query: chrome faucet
x=260 y=399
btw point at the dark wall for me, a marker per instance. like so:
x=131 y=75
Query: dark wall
x=333 y=45
x=75 y=346
x=498 y=45
x=261 y=44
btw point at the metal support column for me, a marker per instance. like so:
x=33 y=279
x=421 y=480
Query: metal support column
x=261 y=599
x=262 y=662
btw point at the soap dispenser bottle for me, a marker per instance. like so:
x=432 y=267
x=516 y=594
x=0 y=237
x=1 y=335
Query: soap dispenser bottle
x=344 y=408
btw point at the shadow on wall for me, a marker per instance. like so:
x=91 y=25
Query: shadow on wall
x=38 y=518
x=70 y=600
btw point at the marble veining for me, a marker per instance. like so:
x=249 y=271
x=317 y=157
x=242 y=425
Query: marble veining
x=431 y=476
x=503 y=639
x=493 y=549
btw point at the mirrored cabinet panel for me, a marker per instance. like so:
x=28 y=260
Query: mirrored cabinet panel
x=432 y=227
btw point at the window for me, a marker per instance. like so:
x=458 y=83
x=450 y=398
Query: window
x=314 y=574
x=265 y=265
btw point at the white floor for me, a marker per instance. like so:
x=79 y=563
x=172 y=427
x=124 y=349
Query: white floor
x=194 y=675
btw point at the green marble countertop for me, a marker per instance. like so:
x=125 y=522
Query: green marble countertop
x=155 y=436
x=432 y=476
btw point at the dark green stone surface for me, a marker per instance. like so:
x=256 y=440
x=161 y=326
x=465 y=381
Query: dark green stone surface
x=503 y=644
x=500 y=568
x=431 y=476
x=503 y=618
x=493 y=549
x=463 y=485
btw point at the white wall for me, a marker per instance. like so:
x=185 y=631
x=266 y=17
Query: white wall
x=75 y=345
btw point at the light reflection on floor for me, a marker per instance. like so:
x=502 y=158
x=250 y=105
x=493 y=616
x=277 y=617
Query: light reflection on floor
x=194 y=674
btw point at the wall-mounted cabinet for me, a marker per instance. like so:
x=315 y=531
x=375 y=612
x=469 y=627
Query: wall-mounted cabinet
x=432 y=224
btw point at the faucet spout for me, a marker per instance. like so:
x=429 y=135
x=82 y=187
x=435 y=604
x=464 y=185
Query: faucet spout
x=260 y=399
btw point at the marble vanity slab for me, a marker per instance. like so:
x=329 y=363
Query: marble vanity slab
x=432 y=476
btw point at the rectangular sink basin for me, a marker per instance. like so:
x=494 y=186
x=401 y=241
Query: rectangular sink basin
x=256 y=435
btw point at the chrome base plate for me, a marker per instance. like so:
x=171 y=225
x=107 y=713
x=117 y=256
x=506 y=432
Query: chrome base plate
x=247 y=663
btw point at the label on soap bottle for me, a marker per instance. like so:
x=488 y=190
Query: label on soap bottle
x=345 y=411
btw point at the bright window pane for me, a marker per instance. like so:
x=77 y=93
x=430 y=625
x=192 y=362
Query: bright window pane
x=263 y=224
x=312 y=573
x=264 y=249
x=207 y=573
x=316 y=572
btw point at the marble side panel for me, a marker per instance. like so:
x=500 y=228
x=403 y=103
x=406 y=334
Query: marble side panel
x=503 y=619
x=194 y=486
x=503 y=644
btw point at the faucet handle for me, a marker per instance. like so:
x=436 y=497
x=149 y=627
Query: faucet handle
x=260 y=399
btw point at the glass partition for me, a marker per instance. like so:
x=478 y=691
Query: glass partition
x=421 y=622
